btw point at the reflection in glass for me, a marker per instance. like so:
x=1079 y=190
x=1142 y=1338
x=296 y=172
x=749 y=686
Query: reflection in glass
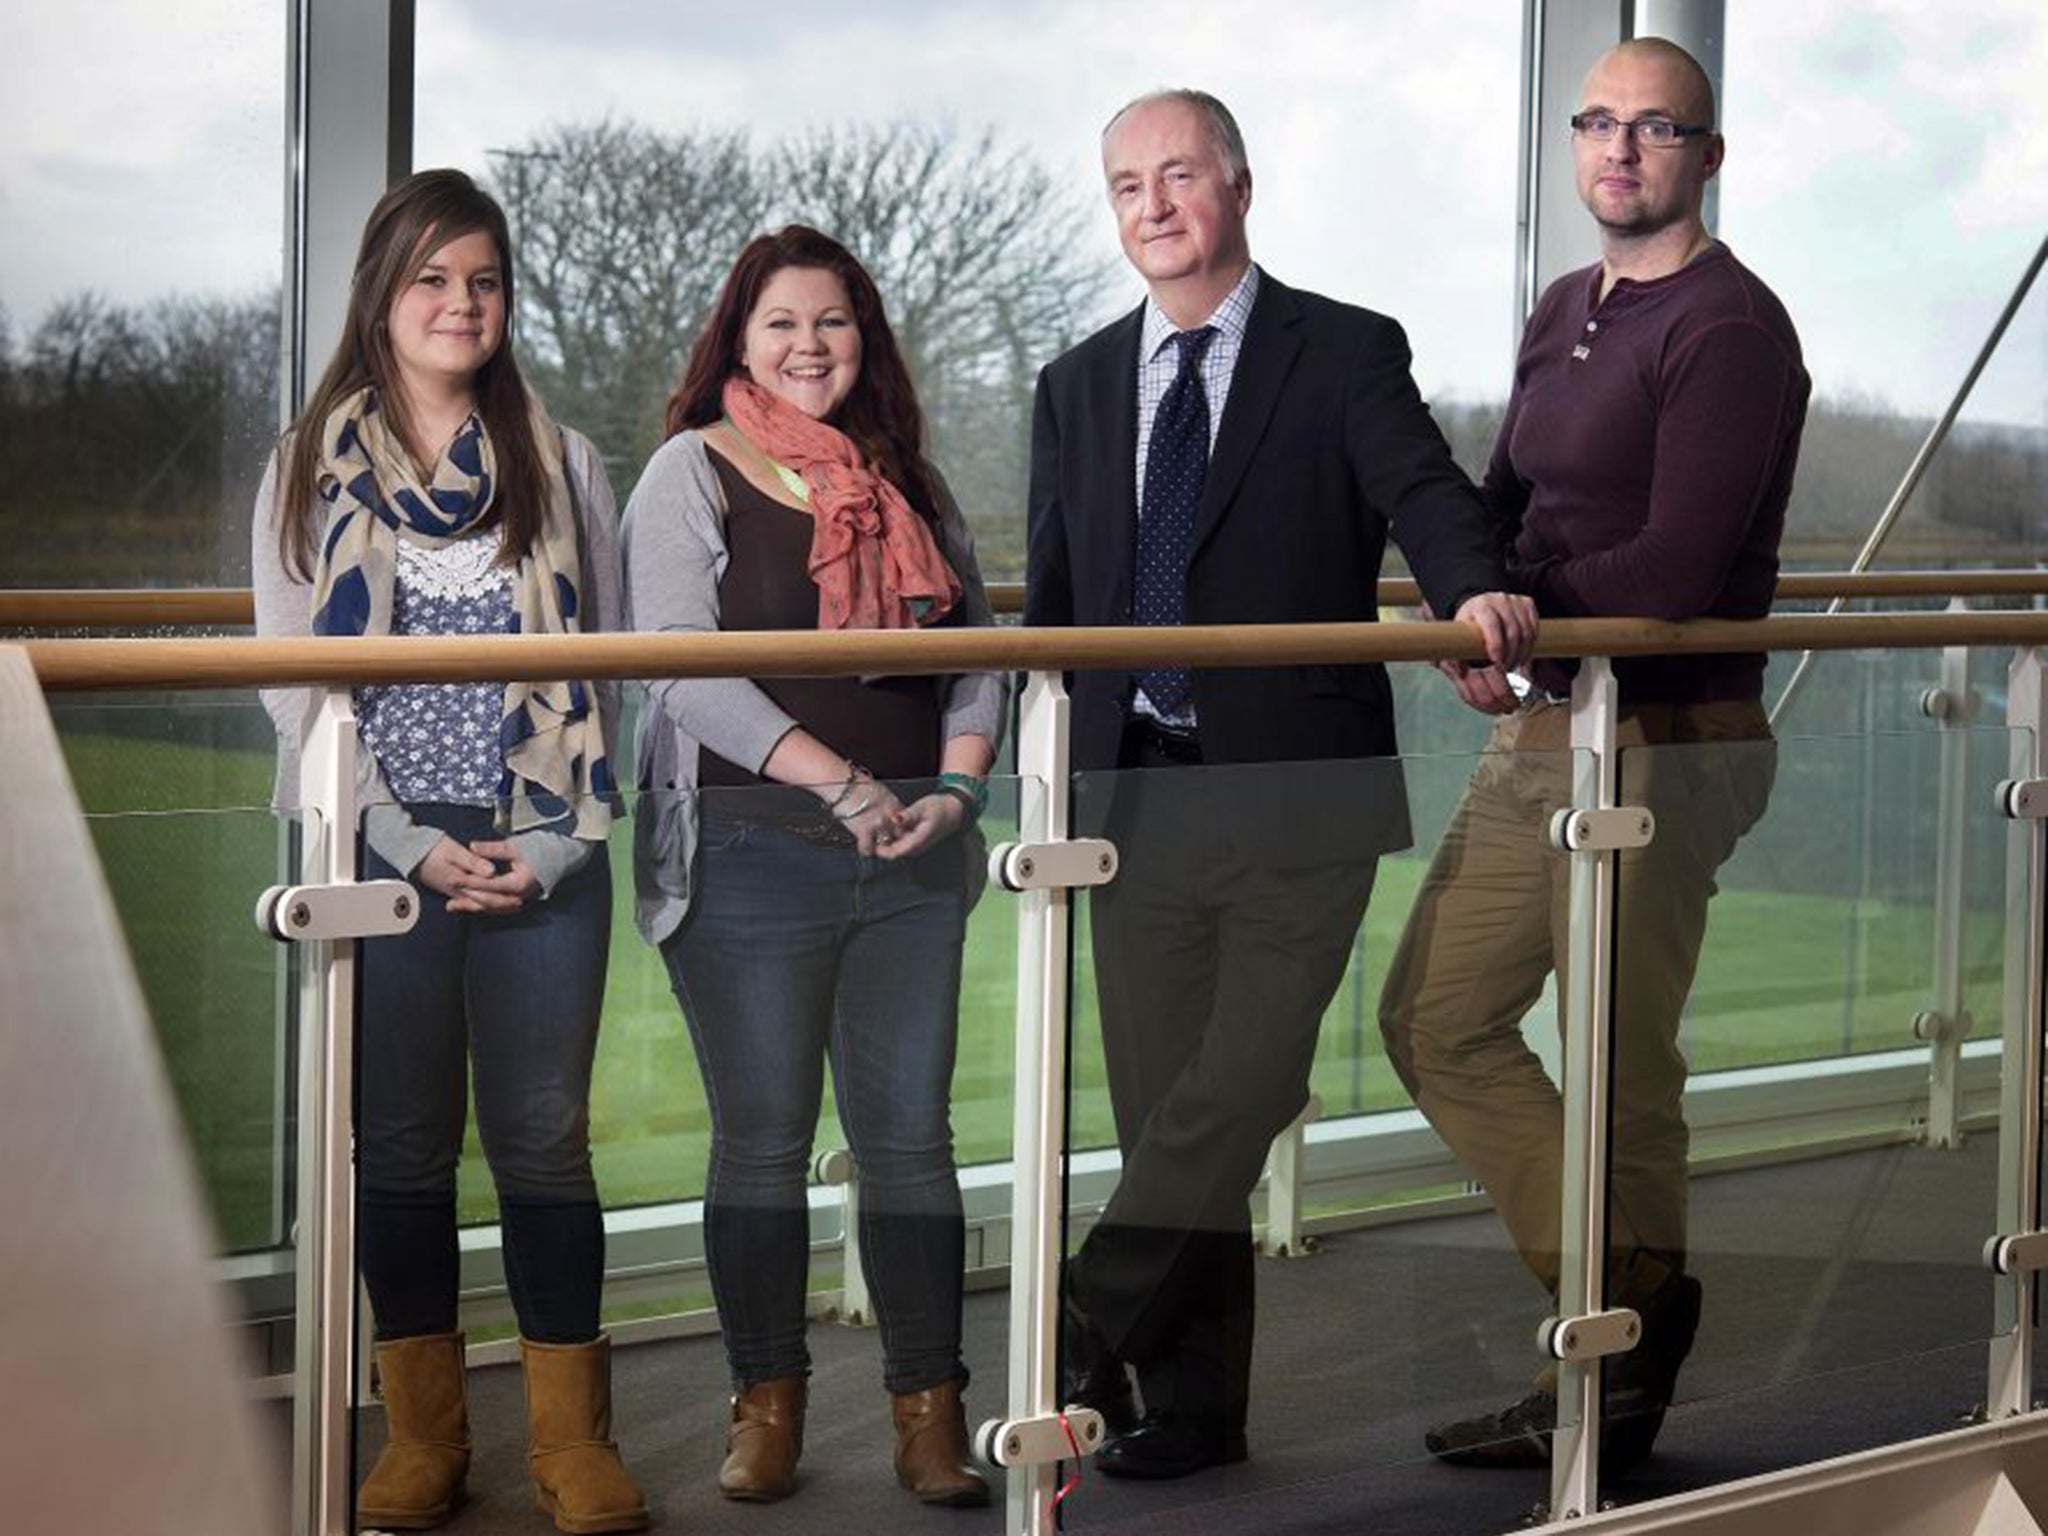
x=1437 y=1306
x=184 y=883
x=1870 y=1236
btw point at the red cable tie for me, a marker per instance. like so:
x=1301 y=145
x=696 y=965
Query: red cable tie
x=1074 y=1481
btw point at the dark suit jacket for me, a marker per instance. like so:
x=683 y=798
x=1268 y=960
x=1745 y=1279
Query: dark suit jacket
x=1324 y=446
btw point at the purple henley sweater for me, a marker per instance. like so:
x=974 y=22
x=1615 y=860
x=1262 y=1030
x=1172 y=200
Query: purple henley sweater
x=1645 y=461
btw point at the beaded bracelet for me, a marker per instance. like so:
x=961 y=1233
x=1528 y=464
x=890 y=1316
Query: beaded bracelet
x=970 y=789
x=854 y=775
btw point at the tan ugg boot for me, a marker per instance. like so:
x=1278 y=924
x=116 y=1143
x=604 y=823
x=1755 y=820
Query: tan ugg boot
x=417 y=1481
x=577 y=1475
x=932 y=1459
x=765 y=1440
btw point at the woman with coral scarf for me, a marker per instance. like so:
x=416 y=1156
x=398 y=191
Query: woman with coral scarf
x=798 y=847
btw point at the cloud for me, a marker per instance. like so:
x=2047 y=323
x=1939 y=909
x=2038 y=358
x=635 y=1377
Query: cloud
x=1888 y=166
x=1383 y=146
x=141 y=153
x=1888 y=174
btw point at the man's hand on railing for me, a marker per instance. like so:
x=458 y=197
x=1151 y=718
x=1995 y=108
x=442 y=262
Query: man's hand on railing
x=1507 y=622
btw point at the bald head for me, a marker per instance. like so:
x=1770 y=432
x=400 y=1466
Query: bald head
x=1647 y=198
x=1682 y=79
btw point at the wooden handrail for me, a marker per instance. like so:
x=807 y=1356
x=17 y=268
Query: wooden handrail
x=65 y=607
x=92 y=607
x=245 y=662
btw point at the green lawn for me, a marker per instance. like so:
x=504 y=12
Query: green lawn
x=1784 y=977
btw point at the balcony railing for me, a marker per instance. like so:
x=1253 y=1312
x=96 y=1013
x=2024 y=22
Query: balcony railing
x=1886 y=836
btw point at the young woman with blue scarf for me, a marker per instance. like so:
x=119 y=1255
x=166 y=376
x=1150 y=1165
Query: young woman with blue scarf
x=423 y=490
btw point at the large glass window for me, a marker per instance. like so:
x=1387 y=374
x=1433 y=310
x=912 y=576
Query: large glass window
x=1887 y=177
x=955 y=149
x=140 y=149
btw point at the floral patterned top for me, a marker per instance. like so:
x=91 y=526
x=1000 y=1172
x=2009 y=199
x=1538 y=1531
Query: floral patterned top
x=438 y=742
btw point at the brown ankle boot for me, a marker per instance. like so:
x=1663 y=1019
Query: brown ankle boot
x=932 y=1459
x=417 y=1480
x=765 y=1440
x=577 y=1475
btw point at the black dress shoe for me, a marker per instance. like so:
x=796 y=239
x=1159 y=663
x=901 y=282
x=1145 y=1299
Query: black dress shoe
x=1518 y=1436
x=1639 y=1387
x=1091 y=1376
x=1170 y=1445
x=1641 y=1383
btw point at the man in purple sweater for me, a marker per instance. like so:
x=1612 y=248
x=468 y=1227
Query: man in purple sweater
x=1643 y=468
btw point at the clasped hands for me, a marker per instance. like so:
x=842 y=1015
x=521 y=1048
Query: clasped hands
x=469 y=876
x=886 y=828
x=1507 y=623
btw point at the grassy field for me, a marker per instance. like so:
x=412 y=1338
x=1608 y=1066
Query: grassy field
x=1784 y=977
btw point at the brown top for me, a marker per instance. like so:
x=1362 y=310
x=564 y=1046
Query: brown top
x=888 y=725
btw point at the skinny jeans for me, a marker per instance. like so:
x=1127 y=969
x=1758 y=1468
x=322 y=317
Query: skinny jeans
x=797 y=951
x=513 y=1000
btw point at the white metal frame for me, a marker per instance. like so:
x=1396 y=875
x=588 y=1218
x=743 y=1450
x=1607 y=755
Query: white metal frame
x=2010 y=1388
x=326 y=1242
x=1946 y=1024
x=1588 y=1088
x=1039 y=1136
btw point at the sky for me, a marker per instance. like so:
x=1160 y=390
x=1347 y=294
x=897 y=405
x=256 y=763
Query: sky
x=1887 y=167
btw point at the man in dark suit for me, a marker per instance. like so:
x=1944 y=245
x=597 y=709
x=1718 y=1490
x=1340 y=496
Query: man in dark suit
x=1233 y=452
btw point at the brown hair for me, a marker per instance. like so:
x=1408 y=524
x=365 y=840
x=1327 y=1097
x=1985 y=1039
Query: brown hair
x=880 y=413
x=409 y=224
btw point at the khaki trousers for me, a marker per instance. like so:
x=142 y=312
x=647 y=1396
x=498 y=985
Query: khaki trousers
x=1489 y=924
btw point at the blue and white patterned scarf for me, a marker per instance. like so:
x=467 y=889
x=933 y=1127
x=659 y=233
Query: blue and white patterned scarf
x=550 y=733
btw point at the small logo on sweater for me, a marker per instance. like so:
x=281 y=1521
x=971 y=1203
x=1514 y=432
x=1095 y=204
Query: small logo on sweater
x=1581 y=352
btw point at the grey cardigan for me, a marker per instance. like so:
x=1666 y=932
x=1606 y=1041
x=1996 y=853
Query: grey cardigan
x=675 y=557
x=284 y=609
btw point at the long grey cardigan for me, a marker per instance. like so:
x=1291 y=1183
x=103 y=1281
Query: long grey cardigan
x=674 y=542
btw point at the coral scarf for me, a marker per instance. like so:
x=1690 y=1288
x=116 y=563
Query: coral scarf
x=873 y=558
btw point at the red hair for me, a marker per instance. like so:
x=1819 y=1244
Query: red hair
x=881 y=412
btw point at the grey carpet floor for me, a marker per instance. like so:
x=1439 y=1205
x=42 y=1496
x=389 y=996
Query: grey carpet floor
x=1845 y=1308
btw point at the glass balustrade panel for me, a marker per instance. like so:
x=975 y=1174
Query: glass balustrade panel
x=1271 y=1236
x=1805 y=1148
x=803 y=1059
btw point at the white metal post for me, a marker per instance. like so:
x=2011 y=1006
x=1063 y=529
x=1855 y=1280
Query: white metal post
x=836 y=1169
x=1040 y=1105
x=1588 y=1010
x=2010 y=1390
x=326 y=1246
x=1285 y=1238
x=1946 y=1024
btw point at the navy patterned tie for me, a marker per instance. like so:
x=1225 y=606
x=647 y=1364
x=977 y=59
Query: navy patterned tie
x=1176 y=464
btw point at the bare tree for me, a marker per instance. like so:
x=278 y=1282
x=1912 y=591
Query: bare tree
x=137 y=435
x=625 y=235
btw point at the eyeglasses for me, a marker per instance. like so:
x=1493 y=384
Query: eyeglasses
x=1650 y=132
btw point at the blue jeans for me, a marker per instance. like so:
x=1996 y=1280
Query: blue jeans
x=793 y=952
x=515 y=1001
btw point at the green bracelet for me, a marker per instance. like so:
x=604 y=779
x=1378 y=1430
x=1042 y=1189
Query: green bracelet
x=970 y=789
